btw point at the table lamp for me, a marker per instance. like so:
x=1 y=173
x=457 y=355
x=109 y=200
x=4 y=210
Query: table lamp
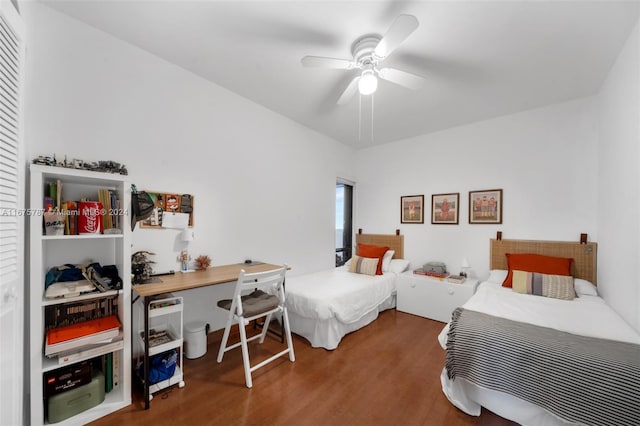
x=465 y=265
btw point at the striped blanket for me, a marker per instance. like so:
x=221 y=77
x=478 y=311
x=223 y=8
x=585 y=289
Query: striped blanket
x=579 y=379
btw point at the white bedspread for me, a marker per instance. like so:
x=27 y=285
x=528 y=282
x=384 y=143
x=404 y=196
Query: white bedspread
x=338 y=293
x=585 y=315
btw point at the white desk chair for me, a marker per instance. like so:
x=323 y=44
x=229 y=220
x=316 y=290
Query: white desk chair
x=258 y=304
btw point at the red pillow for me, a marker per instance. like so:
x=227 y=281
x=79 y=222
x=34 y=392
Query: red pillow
x=530 y=262
x=366 y=250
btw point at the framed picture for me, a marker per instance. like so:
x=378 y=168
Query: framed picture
x=412 y=209
x=444 y=208
x=485 y=206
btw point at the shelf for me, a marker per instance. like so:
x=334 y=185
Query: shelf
x=166 y=306
x=78 y=176
x=173 y=343
x=113 y=401
x=175 y=379
x=49 y=364
x=85 y=296
x=82 y=237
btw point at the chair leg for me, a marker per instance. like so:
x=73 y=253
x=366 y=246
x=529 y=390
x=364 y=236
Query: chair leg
x=287 y=330
x=225 y=338
x=245 y=354
x=265 y=328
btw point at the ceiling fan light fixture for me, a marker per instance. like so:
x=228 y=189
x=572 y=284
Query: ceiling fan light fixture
x=368 y=83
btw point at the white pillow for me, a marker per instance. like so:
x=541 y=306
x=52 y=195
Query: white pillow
x=584 y=287
x=386 y=260
x=398 y=266
x=497 y=276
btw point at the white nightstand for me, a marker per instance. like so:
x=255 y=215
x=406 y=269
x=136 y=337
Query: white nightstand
x=431 y=298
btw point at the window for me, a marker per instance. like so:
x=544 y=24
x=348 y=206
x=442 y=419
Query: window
x=344 y=222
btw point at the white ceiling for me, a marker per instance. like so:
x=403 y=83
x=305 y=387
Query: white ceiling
x=482 y=59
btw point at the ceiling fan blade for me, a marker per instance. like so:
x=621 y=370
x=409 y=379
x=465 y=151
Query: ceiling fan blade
x=402 y=78
x=349 y=91
x=322 y=62
x=401 y=28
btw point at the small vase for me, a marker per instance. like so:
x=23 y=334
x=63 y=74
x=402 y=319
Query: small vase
x=184 y=264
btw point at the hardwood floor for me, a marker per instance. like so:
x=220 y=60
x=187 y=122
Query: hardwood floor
x=386 y=373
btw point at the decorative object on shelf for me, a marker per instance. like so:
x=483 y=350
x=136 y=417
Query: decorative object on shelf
x=464 y=267
x=142 y=206
x=485 y=206
x=184 y=259
x=444 y=208
x=186 y=236
x=412 y=209
x=436 y=267
x=141 y=269
x=440 y=276
x=456 y=279
x=203 y=261
x=106 y=166
x=54 y=222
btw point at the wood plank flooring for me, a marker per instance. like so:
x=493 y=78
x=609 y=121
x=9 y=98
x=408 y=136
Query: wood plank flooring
x=387 y=373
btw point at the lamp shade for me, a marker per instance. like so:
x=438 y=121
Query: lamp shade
x=465 y=263
x=186 y=235
x=368 y=83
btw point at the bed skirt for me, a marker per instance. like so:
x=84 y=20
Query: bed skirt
x=328 y=333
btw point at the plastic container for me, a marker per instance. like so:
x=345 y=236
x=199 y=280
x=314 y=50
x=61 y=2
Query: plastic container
x=195 y=339
x=75 y=401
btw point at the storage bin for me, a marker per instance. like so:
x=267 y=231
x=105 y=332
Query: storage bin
x=76 y=400
x=195 y=339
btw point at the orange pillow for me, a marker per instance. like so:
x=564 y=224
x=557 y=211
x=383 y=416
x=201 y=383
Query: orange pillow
x=530 y=262
x=366 y=250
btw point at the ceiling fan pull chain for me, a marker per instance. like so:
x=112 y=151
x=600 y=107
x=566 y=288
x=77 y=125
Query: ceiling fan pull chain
x=359 y=117
x=372 y=99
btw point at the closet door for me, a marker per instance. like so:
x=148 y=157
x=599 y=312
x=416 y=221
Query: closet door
x=12 y=219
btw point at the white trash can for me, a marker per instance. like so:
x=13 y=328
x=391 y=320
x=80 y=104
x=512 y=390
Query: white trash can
x=195 y=339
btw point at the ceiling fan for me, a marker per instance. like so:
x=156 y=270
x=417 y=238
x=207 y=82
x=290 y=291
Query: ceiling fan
x=368 y=53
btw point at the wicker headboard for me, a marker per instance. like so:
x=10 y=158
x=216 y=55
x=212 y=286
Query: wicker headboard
x=584 y=255
x=393 y=241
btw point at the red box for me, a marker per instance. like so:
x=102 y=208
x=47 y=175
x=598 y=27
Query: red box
x=90 y=217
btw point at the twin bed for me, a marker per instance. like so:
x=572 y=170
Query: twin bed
x=324 y=306
x=542 y=360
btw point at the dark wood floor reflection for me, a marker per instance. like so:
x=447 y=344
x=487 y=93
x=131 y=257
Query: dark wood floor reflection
x=387 y=373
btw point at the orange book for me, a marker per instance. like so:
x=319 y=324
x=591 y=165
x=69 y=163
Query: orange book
x=87 y=328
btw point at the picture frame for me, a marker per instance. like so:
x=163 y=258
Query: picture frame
x=485 y=207
x=445 y=208
x=412 y=209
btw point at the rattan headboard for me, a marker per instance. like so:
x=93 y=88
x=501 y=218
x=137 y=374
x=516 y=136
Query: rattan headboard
x=584 y=255
x=393 y=241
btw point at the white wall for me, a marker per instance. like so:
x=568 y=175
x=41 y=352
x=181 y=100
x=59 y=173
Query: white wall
x=264 y=186
x=619 y=183
x=544 y=160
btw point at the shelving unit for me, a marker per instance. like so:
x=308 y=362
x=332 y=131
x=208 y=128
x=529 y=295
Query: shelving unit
x=165 y=314
x=47 y=251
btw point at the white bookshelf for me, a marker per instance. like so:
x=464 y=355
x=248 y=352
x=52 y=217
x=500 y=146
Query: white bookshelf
x=46 y=251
